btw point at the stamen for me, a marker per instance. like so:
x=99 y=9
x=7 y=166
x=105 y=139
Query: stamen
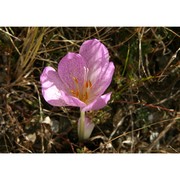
x=85 y=96
x=82 y=94
x=86 y=84
x=75 y=79
x=72 y=92
x=90 y=84
x=75 y=93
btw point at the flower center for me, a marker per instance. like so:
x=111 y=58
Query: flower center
x=81 y=93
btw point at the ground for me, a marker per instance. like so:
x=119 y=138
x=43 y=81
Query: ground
x=142 y=115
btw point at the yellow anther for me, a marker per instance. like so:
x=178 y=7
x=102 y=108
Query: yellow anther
x=75 y=93
x=86 y=84
x=81 y=92
x=75 y=79
x=72 y=92
x=90 y=84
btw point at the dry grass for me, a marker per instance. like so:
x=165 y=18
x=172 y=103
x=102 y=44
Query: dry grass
x=142 y=116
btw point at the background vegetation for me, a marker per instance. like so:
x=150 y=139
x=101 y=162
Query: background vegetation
x=142 y=116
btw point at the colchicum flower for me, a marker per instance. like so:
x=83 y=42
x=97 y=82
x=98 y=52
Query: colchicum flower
x=80 y=81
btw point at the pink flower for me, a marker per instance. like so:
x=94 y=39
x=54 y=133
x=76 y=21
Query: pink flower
x=80 y=81
x=81 y=78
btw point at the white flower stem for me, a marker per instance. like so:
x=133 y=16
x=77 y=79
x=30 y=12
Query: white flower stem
x=81 y=126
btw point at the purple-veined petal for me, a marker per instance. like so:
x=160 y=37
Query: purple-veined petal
x=52 y=90
x=52 y=87
x=104 y=80
x=71 y=70
x=93 y=51
x=98 y=103
x=96 y=56
x=88 y=127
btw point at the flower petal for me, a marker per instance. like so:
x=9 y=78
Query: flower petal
x=104 y=80
x=98 y=103
x=73 y=101
x=96 y=56
x=52 y=90
x=88 y=128
x=51 y=87
x=71 y=70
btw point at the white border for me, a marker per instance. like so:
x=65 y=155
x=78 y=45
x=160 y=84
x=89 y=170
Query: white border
x=89 y=13
x=89 y=166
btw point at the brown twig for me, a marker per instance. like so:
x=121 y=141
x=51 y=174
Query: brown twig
x=167 y=128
